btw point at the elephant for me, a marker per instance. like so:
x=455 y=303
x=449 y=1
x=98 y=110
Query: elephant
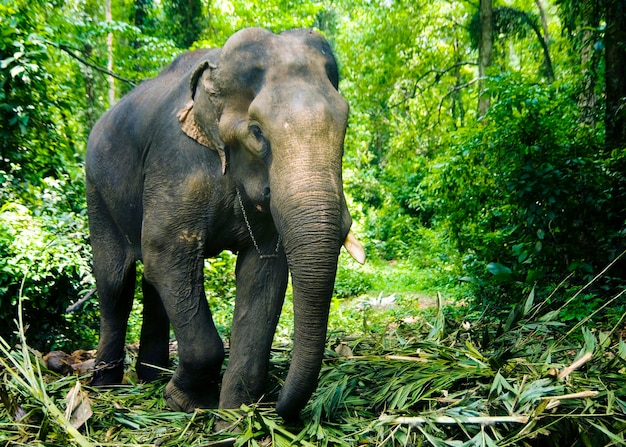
x=239 y=149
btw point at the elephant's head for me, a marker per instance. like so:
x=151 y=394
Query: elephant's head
x=271 y=109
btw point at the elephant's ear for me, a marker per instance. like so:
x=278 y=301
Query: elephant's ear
x=201 y=124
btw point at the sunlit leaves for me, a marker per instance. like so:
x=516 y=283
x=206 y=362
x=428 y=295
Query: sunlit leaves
x=228 y=16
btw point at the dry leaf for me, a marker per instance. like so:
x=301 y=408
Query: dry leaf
x=11 y=405
x=84 y=367
x=343 y=350
x=78 y=409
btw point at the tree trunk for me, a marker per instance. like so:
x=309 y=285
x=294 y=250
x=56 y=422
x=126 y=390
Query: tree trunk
x=111 y=79
x=615 y=55
x=458 y=108
x=544 y=21
x=485 y=50
x=589 y=59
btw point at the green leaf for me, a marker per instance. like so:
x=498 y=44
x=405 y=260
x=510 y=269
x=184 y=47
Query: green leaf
x=530 y=300
x=499 y=271
x=590 y=341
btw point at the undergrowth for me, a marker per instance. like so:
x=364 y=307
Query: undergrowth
x=433 y=379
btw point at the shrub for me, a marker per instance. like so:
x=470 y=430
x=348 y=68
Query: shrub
x=350 y=280
x=45 y=258
x=220 y=286
x=529 y=196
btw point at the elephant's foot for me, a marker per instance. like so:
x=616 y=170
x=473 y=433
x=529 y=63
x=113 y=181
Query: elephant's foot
x=179 y=399
x=108 y=373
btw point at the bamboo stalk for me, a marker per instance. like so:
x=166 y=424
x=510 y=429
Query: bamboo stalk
x=555 y=401
x=574 y=366
x=580 y=395
x=406 y=358
x=482 y=420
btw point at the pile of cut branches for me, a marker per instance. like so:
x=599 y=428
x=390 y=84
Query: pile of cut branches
x=527 y=382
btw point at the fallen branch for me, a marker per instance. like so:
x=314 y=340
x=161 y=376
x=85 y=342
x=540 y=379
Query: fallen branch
x=574 y=366
x=71 y=308
x=406 y=358
x=580 y=395
x=482 y=420
x=555 y=401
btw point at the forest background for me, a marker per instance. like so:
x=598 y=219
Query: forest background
x=486 y=153
x=485 y=166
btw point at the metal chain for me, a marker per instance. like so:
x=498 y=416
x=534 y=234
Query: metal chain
x=254 y=242
x=104 y=366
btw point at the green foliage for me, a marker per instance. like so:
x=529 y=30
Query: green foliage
x=36 y=134
x=228 y=16
x=44 y=256
x=528 y=197
x=220 y=286
x=351 y=280
x=432 y=380
x=43 y=242
x=184 y=20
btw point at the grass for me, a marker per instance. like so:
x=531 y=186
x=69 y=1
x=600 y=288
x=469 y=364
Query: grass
x=392 y=375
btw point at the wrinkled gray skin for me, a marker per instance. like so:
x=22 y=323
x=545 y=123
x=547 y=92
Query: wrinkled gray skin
x=272 y=124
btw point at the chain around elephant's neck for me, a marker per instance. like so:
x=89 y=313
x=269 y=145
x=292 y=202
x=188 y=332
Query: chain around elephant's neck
x=256 y=245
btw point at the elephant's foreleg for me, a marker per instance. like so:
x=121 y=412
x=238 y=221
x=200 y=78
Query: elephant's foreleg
x=261 y=285
x=178 y=278
x=155 y=335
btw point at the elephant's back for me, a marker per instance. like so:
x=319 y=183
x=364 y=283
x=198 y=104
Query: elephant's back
x=189 y=60
x=154 y=103
x=144 y=114
x=141 y=128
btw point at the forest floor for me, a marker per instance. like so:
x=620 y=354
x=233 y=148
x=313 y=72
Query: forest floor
x=401 y=368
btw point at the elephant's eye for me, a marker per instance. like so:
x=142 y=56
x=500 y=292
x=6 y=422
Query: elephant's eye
x=257 y=132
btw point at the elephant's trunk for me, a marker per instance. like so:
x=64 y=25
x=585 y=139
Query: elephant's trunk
x=310 y=212
x=312 y=237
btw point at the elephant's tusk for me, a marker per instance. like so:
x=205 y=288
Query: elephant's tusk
x=354 y=247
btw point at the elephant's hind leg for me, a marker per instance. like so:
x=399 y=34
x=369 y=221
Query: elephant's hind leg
x=114 y=269
x=116 y=291
x=115 y=305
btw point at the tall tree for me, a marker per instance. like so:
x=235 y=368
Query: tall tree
x=186 y=20
x=615 y=78
x=110 y=78
x=544 y=21
x=589 y=60
x=142 y=17
x=485 y=52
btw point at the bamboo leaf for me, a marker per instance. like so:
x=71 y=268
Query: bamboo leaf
x=530 y=300
x=438 y=330
x=590 y=341
x=617 y=439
